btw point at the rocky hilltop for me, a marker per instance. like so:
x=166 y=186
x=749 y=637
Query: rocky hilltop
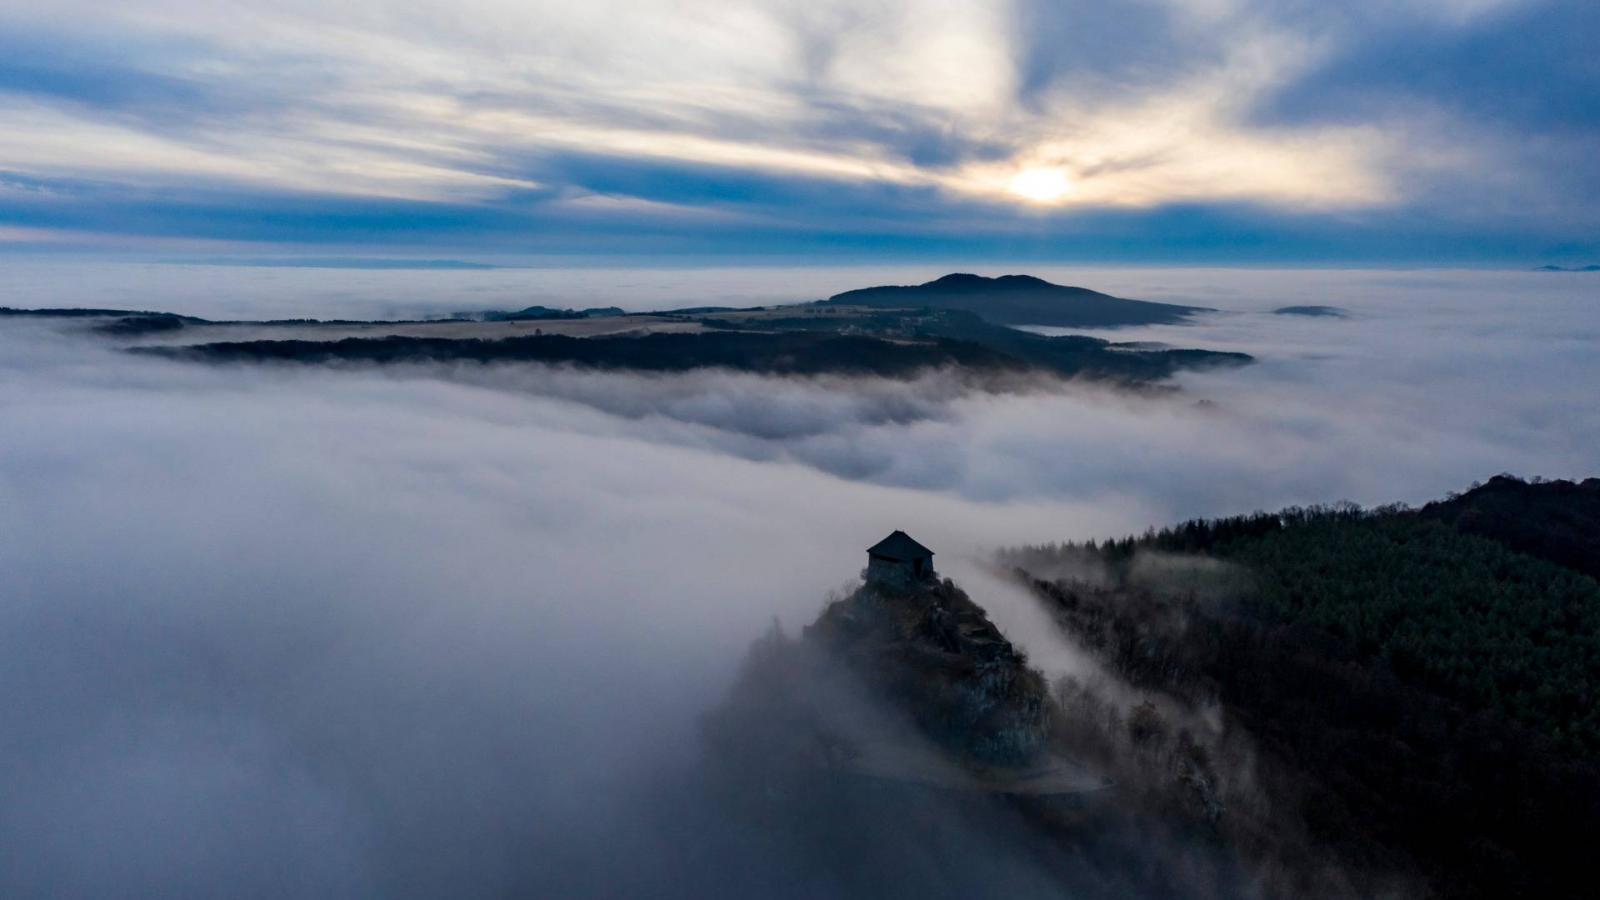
x=903 y=679
x=933 y=653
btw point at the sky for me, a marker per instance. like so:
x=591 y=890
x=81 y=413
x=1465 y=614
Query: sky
x=1459 y=132
x=432 y=631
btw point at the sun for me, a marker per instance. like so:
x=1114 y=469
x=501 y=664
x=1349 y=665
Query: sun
x=1041 y=184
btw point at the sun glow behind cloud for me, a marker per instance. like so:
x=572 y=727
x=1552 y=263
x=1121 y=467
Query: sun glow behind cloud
x=420 y=99
x=496 y=104
x=1041 y=184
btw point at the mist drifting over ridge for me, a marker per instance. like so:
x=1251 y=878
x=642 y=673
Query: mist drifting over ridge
x=446 y=630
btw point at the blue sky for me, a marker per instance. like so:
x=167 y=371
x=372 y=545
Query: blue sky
x=1221 y=131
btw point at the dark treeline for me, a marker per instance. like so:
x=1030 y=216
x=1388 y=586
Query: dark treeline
x=1558 y=521
x=789 y=353
x=797 y=352
x=1421 y=684
x=1073 y=354
x=83 y=313
x=1554 y=520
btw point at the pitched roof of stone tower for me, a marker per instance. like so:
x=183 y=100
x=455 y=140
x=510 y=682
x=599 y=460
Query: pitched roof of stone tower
x=899 y=546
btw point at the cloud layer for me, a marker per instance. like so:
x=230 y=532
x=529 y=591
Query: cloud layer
x=746 y=126
x=446 y=631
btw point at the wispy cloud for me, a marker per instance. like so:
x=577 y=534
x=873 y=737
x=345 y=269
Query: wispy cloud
x=954 y=107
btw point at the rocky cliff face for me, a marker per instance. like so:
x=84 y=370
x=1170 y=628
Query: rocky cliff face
x=920 y=660
x=933 y=653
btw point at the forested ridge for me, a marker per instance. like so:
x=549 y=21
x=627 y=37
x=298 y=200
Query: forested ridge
x=1464 y=614
x=1421 y=683
x=980 y=350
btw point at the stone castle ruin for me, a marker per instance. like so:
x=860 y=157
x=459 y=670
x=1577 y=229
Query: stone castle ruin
x=899 y=561
x=905 y=679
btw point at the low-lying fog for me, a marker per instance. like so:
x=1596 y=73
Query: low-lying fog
x=437 y=632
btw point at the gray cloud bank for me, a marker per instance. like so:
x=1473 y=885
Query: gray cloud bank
x=433 y=632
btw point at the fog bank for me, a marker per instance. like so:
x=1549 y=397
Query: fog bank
x=432 y=631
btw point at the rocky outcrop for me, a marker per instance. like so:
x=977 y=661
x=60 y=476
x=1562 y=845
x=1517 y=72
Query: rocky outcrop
x=931 y=652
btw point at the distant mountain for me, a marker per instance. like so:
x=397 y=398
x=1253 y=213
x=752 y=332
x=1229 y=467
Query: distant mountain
x=803 y=339
x=1590 y=268
x=529 y=313
x=1333 y=312
x=1019 y=300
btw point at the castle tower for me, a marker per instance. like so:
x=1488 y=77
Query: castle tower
x=898 y=559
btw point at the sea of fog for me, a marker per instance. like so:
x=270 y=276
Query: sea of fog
x=444 y=631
